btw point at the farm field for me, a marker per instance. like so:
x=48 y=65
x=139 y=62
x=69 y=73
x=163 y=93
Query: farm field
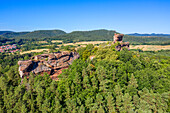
x=53 y=41
x=83 y=44
x=35 y=50
x=150 y=47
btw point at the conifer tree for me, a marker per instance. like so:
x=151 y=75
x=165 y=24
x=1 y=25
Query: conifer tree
x=119 y=95
x=136 y=101
x=58 y=106
x=84 y=73
x=88 y=103
x=110 y=103
x=94 y=108
x=82 y=109
x=127 y=105
x=94 y=82
x=23 y=108
x=132 y=86
x=86 y=82
x=99 y=99
x=101 y=109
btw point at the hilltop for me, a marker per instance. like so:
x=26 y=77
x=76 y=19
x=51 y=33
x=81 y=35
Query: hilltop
x=33 y=34
x=3 y=32
x=77 y=36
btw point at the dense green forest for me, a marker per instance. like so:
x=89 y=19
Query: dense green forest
x=3 y=32
x=35 y=34
x=76 y=36
x=14 y=34
x=147 y=40
x=107 y=35
x=111 y=82
x=4 y=40
x=95 y=35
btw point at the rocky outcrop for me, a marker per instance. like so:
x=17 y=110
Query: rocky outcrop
x=52 y=64
x=120 y=44
x=118 y=37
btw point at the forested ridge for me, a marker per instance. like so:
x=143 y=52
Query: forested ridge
x=76 y=36
x=4 y=40
x=3 y=32
x=111 y=82
x=33 y=34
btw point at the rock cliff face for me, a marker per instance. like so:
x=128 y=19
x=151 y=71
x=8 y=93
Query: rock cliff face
x=119 y=38
x=52 y=64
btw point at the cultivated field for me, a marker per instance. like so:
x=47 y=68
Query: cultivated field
x=53 y=41
x=91 y=42
x=35 y=50
x=150 y=47
x=83 y=44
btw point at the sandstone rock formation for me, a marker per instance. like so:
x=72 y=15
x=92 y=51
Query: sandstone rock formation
x=52 y=63
x=118 y=39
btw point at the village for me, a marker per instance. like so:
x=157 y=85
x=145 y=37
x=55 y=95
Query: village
x=8 y=48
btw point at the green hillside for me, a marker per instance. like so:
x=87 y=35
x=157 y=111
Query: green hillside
x=107 y=35
x=4 y=40
x=35 y=34
x=3 y=32
x=147 y=40
x=95 y=35
x=113 y=82
x=14 y=34
x=76 y=36
x=43 y=34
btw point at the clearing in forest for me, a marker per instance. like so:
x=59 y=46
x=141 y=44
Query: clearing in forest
x=150 y=47
x=53 y=41
x=35 y=50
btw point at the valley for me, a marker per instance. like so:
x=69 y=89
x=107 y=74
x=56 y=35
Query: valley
x=84 y=71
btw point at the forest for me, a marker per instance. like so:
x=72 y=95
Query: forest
x=76 y=36
x=112 y=82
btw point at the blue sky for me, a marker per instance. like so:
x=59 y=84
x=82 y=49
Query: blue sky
x=125 y=16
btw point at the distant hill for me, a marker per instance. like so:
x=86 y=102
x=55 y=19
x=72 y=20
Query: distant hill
x=153 y=34
x=94 y=35
x=35 y=34
x=14 y=34
x=43 y=34
x=3 y=32
x=107 y=35
x=3 y=40
x=147 y=40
